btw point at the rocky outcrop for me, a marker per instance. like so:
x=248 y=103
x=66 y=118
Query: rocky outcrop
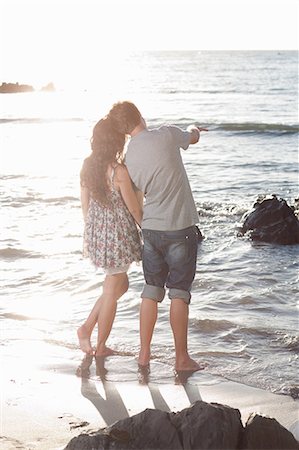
x=271 y=220
x=11 y=88
x=48 y=88
x=202 y=426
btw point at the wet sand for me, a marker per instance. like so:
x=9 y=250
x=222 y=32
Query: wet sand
x=47 y=399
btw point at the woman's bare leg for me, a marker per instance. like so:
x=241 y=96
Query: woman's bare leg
x=84 y=332
x=113 y=288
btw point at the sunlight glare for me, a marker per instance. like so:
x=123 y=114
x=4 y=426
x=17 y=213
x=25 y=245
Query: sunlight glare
x=80 y=43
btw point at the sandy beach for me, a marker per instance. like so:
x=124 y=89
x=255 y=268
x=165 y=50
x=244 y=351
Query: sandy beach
x=47 y=399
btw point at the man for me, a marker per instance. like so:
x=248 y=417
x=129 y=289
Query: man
x=170 y=236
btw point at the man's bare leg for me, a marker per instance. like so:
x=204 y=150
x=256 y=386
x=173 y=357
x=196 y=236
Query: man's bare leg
x=114 y=286
x=179 y=313
x=148 y=318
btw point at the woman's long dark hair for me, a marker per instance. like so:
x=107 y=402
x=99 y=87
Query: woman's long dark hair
x=107 y=147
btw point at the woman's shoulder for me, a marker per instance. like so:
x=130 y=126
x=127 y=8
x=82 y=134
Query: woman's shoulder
x=86 y=162
x=85 y=168
x=120 y=170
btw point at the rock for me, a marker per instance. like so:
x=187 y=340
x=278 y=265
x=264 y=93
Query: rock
x=150 y=429
x=11 y=88
x=271 y=220
x=91 y=441
x=209 y=426
x=263 y=433
x=49 y=87
x=202 y=426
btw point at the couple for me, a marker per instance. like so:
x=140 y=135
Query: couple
x=112 y=202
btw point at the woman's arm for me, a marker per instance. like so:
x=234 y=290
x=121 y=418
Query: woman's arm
x=85 y=196
x=140 y=198
x=133 y=201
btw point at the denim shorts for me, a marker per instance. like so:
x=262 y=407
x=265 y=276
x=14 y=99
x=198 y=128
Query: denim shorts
x=169 y=259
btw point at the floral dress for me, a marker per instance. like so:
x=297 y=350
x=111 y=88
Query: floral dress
x=111 y=239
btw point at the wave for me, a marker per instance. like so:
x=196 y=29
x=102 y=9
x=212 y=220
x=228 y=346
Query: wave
x=14 y=316
x=257 y=127
x=17 y=253
x=11 y=177
x=37 y=120
x=287 y=341
x=226 y=328
x=212 y=326
x=240 y=127
x=18 y=202
x=233 y=127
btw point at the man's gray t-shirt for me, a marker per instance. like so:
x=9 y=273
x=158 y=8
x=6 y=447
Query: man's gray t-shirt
x=155 y=165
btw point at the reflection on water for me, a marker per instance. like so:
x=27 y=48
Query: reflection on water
x=111 y=398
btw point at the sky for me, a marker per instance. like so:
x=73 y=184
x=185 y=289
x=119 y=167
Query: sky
x=55 y=40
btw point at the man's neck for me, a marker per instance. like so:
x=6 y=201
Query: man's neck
x=138 y=129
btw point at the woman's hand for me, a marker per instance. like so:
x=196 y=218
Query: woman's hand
x=123 y=182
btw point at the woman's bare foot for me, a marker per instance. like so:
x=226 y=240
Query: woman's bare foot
x=84 y=340
x=105 y=351
x=188 y=364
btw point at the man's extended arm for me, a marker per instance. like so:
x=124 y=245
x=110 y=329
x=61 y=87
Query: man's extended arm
x=195 y=133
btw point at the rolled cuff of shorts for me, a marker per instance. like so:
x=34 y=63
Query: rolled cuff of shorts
x=179 y=293
x=153 y=292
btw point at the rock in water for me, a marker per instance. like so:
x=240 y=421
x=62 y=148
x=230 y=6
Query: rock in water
x=263 y=433
x=272 y=220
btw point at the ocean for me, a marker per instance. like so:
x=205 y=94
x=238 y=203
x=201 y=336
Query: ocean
x=244 y=310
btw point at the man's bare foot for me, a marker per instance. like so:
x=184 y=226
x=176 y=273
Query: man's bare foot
x=84 y=340
x=143 y=374
x=188 y=364
x=144 y=358
x=105 y=351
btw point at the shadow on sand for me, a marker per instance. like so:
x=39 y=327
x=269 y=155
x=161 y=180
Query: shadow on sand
x=111 y=405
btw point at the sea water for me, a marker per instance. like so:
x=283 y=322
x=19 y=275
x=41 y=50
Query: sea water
x=243 y=313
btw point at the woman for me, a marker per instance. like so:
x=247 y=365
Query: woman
x=111 y=239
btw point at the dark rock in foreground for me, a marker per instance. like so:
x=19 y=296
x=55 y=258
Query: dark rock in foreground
x=208 y=426
x=202 y=426
x=272 y=220
x=263 y=433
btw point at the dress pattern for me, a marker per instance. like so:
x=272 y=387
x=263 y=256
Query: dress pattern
x=111 y=238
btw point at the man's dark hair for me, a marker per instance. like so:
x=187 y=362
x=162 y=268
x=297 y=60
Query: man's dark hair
x=124 y=116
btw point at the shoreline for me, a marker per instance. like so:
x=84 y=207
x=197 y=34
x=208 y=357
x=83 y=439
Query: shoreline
x=45 y=403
